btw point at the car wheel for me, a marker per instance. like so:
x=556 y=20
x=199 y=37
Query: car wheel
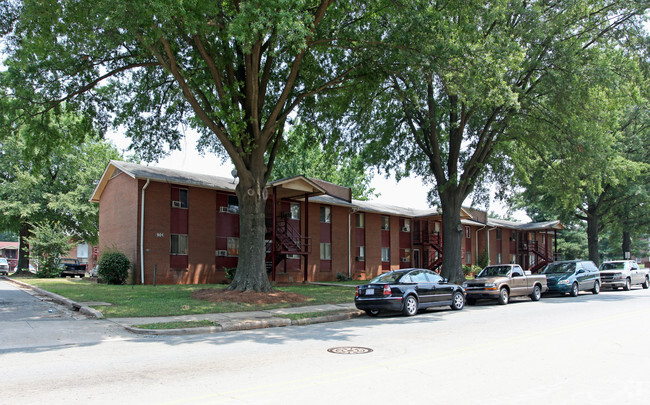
x=537 y=293
x=457 y=301
x=574 y=290
x=596 y=289
x=410 y=306
x=628 y=285
x=471 y=301
x=646 y=283
x=504 y=296
x=372 y=312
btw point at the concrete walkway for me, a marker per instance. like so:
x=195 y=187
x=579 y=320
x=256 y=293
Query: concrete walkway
x=228 y=321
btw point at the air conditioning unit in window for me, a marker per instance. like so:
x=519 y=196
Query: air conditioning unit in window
x=222 y=253
x=224 y=209
x=360 y=258
x=405 y=260
x=176 y=204
x=405 y=229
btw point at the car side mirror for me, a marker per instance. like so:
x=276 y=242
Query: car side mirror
x=444 y=280
x=580 y=271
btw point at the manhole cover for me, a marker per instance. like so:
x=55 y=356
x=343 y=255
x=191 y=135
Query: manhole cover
x=349 y=350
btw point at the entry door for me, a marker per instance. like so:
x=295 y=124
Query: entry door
x=416 y=258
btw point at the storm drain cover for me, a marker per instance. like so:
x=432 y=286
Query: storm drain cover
x=349 y=350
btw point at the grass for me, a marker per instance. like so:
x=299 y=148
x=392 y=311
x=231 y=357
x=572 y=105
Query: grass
x=177 y=325
x=168 y=300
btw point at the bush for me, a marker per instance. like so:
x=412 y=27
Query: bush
x=468 y=270
x=113 y=267
x=48 y=242
x=342 y=277
x=483 y=259
x=230 y=272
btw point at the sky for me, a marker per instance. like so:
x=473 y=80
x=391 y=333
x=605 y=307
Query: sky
x=408 y=192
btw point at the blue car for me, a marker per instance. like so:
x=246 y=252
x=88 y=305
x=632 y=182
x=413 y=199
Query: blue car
x=572 y=277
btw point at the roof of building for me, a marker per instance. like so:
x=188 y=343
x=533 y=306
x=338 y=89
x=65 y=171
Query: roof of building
x=8 y=245
x=297 y=187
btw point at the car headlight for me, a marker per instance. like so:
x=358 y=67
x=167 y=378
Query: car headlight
x=464 y=284
x=564 y=281
x=490 y=285
x=617 y=276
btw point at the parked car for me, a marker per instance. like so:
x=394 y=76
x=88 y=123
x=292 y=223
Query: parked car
x=4 y=266
x=408 y=290
x=71 y=267
x=502 y=281
x=572 y=277
x=623 y=273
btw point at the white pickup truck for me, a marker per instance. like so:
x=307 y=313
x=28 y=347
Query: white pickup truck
x=623 y=273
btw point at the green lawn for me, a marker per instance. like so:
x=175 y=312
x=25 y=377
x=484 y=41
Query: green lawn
x=167 y=300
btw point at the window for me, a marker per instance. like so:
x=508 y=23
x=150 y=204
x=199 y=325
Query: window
x=325 y=251
x=468 y=257
x=233 y=246
x=360 y=220
x=436 y=227
x=385 y=254
x=468 y=233
x=407 y=256
x=498 y=258
x=516 y=271
x=233 y=204
x=362 y=253
x=513 y=259
x=325 y=214
x=385 y=223
x=498 y=233
x=407 y=225
x=178 y=245
x=295 y=210
x=531 y=259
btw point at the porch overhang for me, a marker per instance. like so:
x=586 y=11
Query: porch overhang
x=295 y=188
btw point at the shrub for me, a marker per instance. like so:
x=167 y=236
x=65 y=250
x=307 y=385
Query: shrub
x=230 y=272
x=48 y=242
x=342 y=277
x=113 y=267
x=483 y=259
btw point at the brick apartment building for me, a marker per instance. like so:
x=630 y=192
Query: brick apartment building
x=190 y=229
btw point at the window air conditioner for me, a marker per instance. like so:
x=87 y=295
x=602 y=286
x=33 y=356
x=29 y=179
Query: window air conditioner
x=176 y=204
x=405 y=229
x=405 y=260
x=222 y=253
x=224 y=209
x=360 y=258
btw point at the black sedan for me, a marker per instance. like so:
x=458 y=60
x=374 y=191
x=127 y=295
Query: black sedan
x=408 y=290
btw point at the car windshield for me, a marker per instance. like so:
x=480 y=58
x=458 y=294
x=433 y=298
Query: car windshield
x=612 y=266
x=389 y=277
x=559 y=268
x=3 y=260
x=494 y=271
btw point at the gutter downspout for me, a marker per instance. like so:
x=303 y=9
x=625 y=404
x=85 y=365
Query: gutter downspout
x=352 y=211
x=142 y=233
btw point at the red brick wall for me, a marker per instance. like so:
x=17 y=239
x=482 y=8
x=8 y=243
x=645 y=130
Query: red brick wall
x=118 y=216
x=373 y=245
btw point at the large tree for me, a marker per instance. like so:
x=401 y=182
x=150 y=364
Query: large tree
x=461 y=72
x=584 y=140
x=52 y=188
x=234 y=70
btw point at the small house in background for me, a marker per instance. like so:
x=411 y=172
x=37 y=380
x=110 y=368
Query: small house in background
x=9 y=250
x=181 y=227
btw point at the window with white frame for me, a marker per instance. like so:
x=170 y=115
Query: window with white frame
x=233 y=204
x=178 y=245
x=360 y=220
x=385 y=223
x=407 y=225
x=498 y=233
x=294 y=209
x=233 y=246
x=326 y=251
x=385 y=254
x=468 y=257
x=468 y=232
x=362 y=253
x=325 y=214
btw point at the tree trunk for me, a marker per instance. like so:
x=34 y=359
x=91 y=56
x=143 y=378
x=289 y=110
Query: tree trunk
x=23 y=249
x=627 y=243
x=251 y=269
x=452 y=231
x=592 y=237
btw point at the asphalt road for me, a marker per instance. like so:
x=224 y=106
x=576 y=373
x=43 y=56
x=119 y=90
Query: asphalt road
x=560 y=350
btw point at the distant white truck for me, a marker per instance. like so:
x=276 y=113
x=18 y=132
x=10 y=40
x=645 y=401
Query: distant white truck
x=623 y=273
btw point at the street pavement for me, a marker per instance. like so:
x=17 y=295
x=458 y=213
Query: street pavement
x=561 y=350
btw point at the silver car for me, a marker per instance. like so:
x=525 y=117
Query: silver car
x=4 y=266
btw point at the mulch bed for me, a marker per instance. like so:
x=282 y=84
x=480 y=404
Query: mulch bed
x=257 y=298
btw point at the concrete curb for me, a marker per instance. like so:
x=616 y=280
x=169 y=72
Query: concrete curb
x=234 y=326
x=86 y=310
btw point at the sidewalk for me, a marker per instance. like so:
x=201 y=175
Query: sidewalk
x=228 y=321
